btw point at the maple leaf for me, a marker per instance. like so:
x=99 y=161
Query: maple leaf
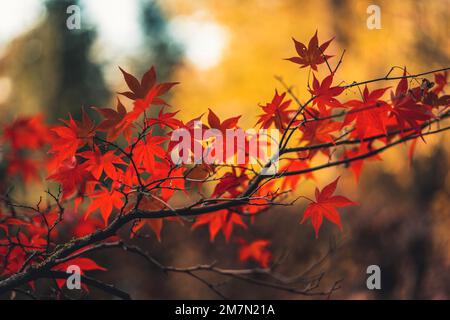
x=87 y=226
x=256 y=251
x=190 y=126
x=326 y=206
x=38 y=224
x=169 y=179
x=155 y=224
x=126 y=179
x=16 y=256
x=230 y=182
x=26 y=132
x=106 y=201
x=150 y=204
x=370 y=114
x=97 y=162
x=356 y=166
x=318 y=131
x=441 y=81
x=325 y=93
x=291 y=182
x=112 y=120
x=72 y=176
x=405 y=109
x=28 y=169
x=313 y=55
x=199 y=172
x=72 y=136
x=140 y=106
x=165 y=120
x=147 y=149
x=139 y=90
x=275 y=112
x=220 y=220
x=433 y=100
x=215 y=123
x=145 y=94
x=228 y=124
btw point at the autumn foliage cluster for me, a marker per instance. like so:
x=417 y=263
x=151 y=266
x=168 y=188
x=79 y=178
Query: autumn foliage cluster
x=117 y=170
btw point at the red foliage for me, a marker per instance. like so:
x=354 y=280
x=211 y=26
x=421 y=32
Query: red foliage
x=122 y=167
x=256 y=251
x=313 y=55
x=326 y=206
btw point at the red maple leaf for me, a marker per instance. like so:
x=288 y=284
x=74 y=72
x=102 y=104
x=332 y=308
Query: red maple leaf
x=291 y=182
x=146 y=150
x=220 y=220
x=441 y=81
x=370 y=114
x=256 y=251
x=139 y=90
x=325 y=94
x=26 y=132
x=356 y=166
x=87 y=226
x=275 y=112
x=170 y=179
x=140 y=106
x=97 y=163
x=165 y=120
x=318 y=131
x=326 y=206
x=106 y=201
x=72 y=176
x=311 y=56
x=151 y=203
x=145 y=94
x=72 y=136
x=406 y=109
x=14 y=257
x=190 y=126
x=27 y=168
x=231 y=182
x=155 y=224
x=112 y=120
x=215 y=123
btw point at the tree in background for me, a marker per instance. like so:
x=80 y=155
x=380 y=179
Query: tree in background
x=160 y=49
x=53 y=63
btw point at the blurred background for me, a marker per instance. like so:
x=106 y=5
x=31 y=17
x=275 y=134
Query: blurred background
x=226 y=54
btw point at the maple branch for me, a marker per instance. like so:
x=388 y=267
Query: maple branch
x=286 y=136
x=34 y=272
x=339 y=62
x=310 y=283
x=93 y=241
x=362 y=156
x=366 y=139
x=326 y=60
x=128 y=155
x=387 y=77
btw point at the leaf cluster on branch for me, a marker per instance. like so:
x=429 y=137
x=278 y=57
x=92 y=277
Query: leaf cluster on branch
x=118 y=172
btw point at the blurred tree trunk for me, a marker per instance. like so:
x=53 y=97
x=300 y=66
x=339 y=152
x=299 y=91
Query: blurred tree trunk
x=50 y=67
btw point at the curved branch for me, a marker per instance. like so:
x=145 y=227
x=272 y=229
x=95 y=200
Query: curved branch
x=43 y=269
